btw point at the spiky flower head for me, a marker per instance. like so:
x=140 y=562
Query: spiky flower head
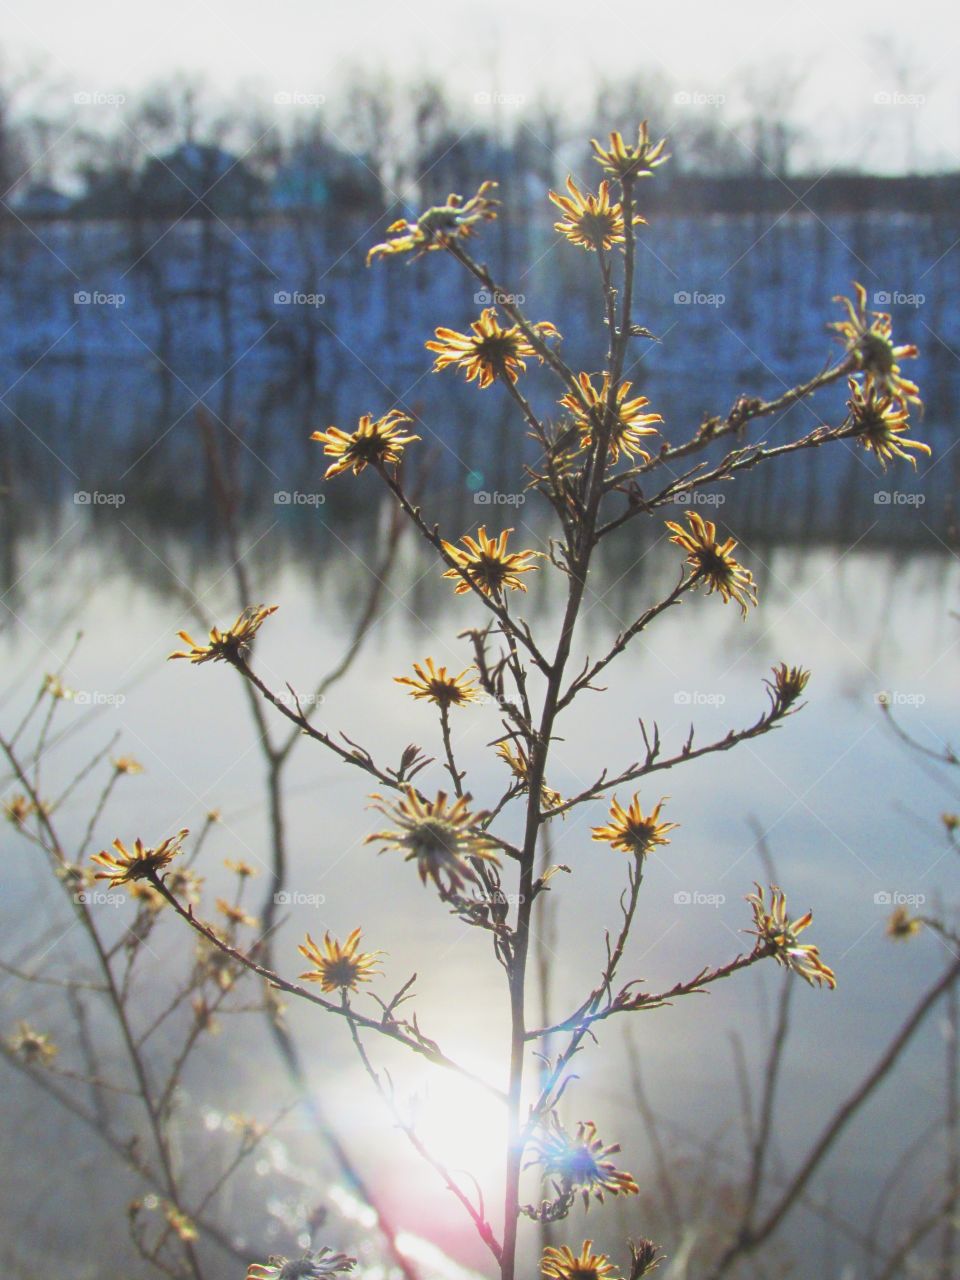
x=442 y=839
x=488 y=564
x=713 y=561
x=882 y=422
x=376 y=442
x=580 y=1162
x=630 y=426
x=591 y=221
x=630 y=831
x=339 y=966
x=34 y=1047
x=625 y=161
x=439 y=226
x=867 y=337
x=777 y=935
x=489 y=351
x=515 y=756
x=142 y=863
x=312 y=1266
x=436 y=686
x=564 y=1264
x=787 y=685
x=231 y=645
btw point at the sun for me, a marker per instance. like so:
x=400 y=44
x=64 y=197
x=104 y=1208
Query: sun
x=461 y=1124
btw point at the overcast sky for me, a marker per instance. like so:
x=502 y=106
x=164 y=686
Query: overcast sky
x=853 y=52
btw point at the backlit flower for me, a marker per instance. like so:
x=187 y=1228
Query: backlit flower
x=231 y=645
x=564 y=1264
x=127 y=764
x=580 y=1163
x=235 y=915
x=240 y=868
x=519 y=762
x=179 y=1222
x=713 y=561
x=34 y=1047
x=787 y=685
x=339 y=967
x=867 y=336
x=778 y=935
x=488 y=564
x=631 y=425
x=440 y=226
x=489 y=351
x=902 y=925
x=147 y=897
x=377 y=442
x=17 y=809
x=591 y=221
x=440 y=839
x=882 y=422
x=312 y=1266
x=142 y=864
x=630 y=831
x=622 y=160
x=437 y=687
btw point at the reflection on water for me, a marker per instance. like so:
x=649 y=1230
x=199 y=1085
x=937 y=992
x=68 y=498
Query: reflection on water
x=857 y=582
x=846 y=814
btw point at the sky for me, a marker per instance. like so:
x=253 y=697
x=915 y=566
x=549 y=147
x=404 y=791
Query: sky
x=515 y=51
